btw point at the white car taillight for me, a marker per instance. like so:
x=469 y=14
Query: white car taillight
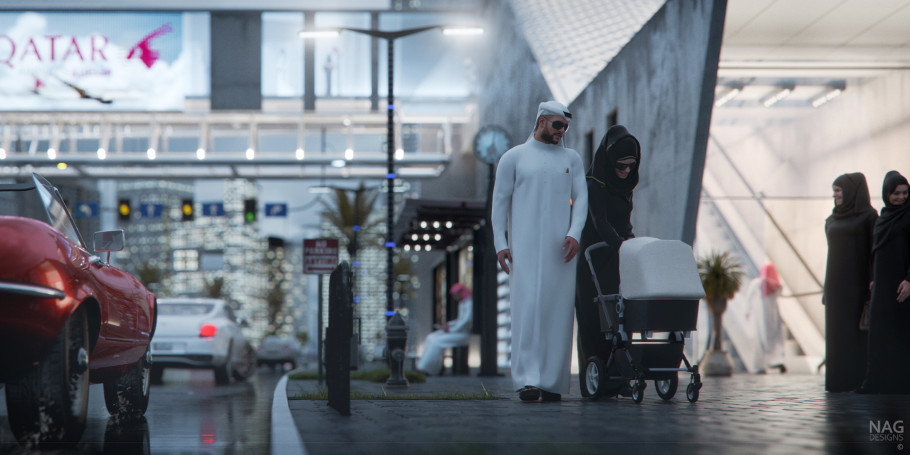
x=207 y=330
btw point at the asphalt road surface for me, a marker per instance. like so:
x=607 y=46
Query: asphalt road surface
x=187 y=414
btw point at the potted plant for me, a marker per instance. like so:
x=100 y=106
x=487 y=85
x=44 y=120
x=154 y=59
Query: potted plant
x=721 y=276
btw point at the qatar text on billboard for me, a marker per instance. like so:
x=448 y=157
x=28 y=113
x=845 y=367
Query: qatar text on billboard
x=59 y=61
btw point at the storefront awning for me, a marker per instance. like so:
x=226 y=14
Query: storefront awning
x=437 y=223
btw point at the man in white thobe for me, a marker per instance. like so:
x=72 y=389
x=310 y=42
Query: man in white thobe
x=540 y=204
x=452 y=334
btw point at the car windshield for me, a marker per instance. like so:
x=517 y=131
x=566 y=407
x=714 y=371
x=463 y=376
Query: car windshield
x=41 y=201
x=56 y=210
x=185 y=309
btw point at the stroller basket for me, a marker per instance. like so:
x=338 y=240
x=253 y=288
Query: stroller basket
x=659 y=292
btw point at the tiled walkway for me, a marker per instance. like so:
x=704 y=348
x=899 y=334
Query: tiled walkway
x=743 y=414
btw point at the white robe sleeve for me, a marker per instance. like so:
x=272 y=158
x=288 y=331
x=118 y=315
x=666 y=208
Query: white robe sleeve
x=502 y=200
x=579 y=199
x=463 y=323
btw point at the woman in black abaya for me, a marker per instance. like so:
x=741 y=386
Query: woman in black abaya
x=611 y=179
x=888 y=367
x=847 y=277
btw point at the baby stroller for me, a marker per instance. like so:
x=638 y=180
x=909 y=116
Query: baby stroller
x=647 y=322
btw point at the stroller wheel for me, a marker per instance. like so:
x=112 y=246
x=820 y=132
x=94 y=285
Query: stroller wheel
x=595 y=375
x=638 y=390
x=692 y=392
x=666 y=389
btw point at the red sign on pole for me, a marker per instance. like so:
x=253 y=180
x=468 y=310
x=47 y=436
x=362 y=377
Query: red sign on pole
x=320 y=256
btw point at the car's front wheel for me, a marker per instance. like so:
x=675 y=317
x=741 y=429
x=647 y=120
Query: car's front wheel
x=127 y=398
x=49 y=404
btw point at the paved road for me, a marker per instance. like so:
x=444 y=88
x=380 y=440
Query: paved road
x=187 y=414
x=744 y=414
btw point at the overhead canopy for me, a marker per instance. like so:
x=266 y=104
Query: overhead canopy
x=437 y=223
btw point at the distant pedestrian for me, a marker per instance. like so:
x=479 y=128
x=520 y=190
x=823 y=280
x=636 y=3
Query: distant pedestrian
x=888 y=364
x=847 y=277
x=452 y=334
x=763 y=316
x=539 y=208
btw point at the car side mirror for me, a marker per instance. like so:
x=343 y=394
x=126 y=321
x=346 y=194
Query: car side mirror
x=107 y=241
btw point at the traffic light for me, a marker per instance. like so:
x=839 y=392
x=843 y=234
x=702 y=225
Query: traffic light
x=123 y=210
x=249 y=210
x=186 y=210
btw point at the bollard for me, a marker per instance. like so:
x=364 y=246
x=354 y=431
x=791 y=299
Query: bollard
x=397 y=340
x=338 y=339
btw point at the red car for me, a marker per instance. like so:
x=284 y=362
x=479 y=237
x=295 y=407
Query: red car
x=67 y=319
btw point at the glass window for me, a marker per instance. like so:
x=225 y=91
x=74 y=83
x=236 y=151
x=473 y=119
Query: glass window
x=197 y=44
x=343 y=63
x=184 y=309
x=282 y=55
x=186 y=260
x=428 y=64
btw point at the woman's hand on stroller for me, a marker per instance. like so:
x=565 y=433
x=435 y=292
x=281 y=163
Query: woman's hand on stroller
x=570 y=246
x=502 y=256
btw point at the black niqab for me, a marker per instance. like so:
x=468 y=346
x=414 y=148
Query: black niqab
x=890 y=213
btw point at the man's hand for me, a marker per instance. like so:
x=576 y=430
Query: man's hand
x=502 y=256
x=570 y=246
x=903 y=291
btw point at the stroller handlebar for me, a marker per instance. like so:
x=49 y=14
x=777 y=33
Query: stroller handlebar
x=588 y=251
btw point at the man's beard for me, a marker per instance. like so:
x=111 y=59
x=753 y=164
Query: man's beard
x=550 y=139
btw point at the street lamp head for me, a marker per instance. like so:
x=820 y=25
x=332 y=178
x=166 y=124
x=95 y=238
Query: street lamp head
x=319 y=33
x=462 y=31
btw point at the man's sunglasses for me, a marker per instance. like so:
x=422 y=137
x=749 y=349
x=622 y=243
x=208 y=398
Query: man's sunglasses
x=623 y=166
x=558 y=125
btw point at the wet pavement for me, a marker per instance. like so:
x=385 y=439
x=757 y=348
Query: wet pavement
x=187 y=414
x=743 y=414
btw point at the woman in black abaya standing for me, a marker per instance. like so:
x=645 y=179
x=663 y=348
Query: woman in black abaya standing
x=888 y=367
x=611 y=179
x=847 y=277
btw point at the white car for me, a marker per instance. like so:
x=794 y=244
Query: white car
x=279 y=350
x=200 y=333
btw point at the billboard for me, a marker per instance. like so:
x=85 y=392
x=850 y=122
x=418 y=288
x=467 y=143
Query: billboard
x=92 y=61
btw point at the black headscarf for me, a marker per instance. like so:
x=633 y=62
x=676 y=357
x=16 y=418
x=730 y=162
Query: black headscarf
x=616 y=145
x=890 y=213
x=856 y=198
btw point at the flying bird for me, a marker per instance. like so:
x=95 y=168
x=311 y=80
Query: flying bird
x=84 y=95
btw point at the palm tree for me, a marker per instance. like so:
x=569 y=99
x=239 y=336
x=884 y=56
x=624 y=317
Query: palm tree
x=721 y=277
x=344 y=212
x=215 y=288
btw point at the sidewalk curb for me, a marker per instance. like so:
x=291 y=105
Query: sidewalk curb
x=284 y=439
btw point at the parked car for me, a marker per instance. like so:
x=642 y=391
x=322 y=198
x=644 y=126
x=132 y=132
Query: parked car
x=68 y=318
x=201 y=333
x=280 y=350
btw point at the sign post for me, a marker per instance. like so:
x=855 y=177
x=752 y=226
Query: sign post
x=320 y=257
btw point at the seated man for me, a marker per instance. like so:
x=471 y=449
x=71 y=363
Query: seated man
x=453 y=334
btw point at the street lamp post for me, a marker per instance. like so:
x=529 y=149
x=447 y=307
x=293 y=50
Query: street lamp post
x=390 y=37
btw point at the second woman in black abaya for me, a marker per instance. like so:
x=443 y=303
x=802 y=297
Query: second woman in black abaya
x=888 y=367
x=611 y=179
x=847 y=277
